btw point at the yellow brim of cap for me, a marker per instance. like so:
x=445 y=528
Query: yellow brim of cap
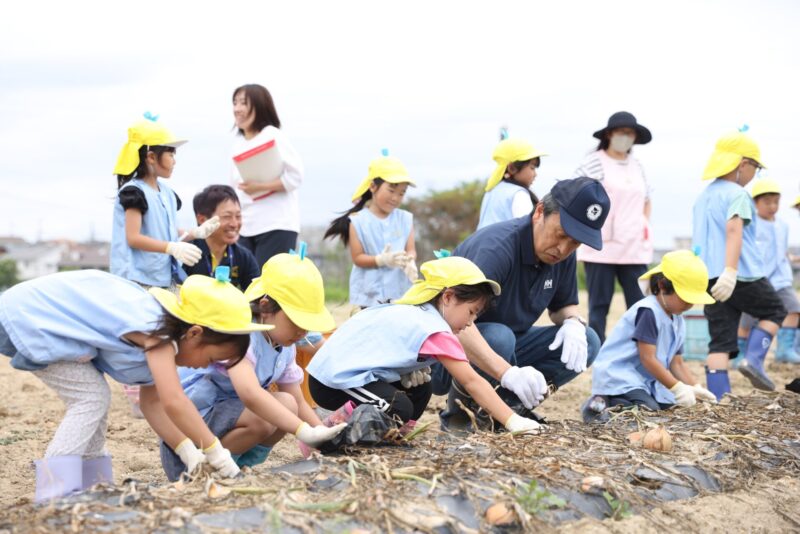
x=500 y=170
x=421 y=292
x=255 y=290
x=321 y=321
x=170 y=302
x=721 y=163
x=691 y=296
x=392 y=179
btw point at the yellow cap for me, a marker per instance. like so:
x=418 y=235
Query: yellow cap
x=688 y=274
x=764 y=186
x=441 y=274
x=510 y=151
x=386 y=168
x=728 y=153
x=796 y=202
x=146 y=132
x=207 y=302
x=295 y=284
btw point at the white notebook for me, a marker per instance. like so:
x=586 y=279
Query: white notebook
x=260 y=164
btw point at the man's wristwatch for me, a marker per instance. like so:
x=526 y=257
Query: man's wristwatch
x=579 y=319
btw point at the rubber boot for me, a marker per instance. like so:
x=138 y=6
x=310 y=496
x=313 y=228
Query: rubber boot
x=453 y=417
x=718 y=382
x=594 y=409
x=786 y=352
x=58 y=476
x=741 y=343
x=97 y=471
x=753 y=364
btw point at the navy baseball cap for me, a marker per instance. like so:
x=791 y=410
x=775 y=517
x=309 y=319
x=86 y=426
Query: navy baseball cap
x=584 y=208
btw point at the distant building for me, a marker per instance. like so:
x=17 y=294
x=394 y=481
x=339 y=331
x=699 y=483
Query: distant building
x=32 y=259
x=91 y=255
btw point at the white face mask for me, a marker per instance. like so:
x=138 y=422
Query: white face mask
x=621 y=143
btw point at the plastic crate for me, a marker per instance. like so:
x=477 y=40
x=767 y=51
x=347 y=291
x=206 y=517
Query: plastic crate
x=697 y=337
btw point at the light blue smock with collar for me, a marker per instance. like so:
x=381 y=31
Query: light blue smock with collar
x=158 y=222
x=379 y=343
x=711 y=215
x=80 y=316
x=373 y=286
x=618 y=368
x=496 y=204
x=772 y=238
x=206 y=387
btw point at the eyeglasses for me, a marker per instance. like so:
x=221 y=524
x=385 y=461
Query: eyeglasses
x=754 y=163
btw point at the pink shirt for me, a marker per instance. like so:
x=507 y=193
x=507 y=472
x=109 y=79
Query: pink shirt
x=626 y=232
x=443 y=345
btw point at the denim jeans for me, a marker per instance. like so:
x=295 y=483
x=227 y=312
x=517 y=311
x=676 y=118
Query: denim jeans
x=529 y=348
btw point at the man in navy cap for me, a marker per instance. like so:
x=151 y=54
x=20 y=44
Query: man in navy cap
x=533 y=260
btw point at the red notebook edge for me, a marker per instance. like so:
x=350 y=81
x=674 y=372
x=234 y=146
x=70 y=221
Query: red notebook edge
x=253 y=151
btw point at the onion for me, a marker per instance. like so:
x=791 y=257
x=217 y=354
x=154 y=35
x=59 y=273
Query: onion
x=658 y=439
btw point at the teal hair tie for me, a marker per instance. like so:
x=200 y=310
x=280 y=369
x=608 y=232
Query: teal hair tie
x=442 y=253
x=301 y=250
x=696 y=250
x=744 y=128
x=149 y=116
x=503 y=133
x=222 y=273
x=384 y=152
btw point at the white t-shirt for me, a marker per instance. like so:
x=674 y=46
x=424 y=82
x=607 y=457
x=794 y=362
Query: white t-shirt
x=280 y=210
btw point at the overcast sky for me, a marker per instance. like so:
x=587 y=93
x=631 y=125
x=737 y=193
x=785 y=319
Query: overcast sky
x=431 y=81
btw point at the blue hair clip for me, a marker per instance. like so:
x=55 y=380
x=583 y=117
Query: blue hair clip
x=384 y=152
x=744 y=128
x=149 y=116
x=696 y=250
x=301 y=250
x=222 y=273
x=503 y=133
x=441 y=253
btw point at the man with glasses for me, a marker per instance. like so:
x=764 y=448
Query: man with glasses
x=724 y=236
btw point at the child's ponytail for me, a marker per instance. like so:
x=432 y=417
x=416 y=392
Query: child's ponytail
x=340 y=226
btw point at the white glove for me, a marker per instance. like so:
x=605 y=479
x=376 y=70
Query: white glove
x=206 y=229
x=393 y=260
x=189 y=455
x=416 y=378
x=517 y=423
x=220 y=459
x=185 y=253
x=572 y=335
x=684 y=395
x=527 y=383
x=410 y=269
x=702 y=393
x=723 y=289
x=314 y=436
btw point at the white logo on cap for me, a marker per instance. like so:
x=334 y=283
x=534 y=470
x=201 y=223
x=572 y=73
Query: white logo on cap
x=594 y=212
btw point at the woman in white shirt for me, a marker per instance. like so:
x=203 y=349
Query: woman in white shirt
x=627 y=244
x=270 y=210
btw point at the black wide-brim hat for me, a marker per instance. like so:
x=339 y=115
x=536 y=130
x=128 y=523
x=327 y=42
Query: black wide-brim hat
x=623 y=119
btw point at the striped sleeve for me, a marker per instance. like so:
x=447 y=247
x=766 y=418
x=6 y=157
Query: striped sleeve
x=591 y=167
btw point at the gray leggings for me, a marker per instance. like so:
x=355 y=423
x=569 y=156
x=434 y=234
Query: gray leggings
x=87 y=397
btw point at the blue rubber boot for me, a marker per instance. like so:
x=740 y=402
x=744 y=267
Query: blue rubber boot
x=97 y=471
x=754 y=355
x=717 y=382
x=741 y=342
x=58 y=476
x=786 y=352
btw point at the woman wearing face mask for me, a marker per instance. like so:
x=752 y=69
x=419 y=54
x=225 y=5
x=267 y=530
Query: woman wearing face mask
x=627 y=246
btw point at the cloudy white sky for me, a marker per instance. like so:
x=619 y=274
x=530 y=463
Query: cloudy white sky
x=432 y=81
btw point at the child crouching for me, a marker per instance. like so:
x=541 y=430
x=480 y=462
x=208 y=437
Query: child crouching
x=377 y=355
x=640 y=363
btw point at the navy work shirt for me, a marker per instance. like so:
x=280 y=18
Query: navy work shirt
x=243 y=264
x=504 y=252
